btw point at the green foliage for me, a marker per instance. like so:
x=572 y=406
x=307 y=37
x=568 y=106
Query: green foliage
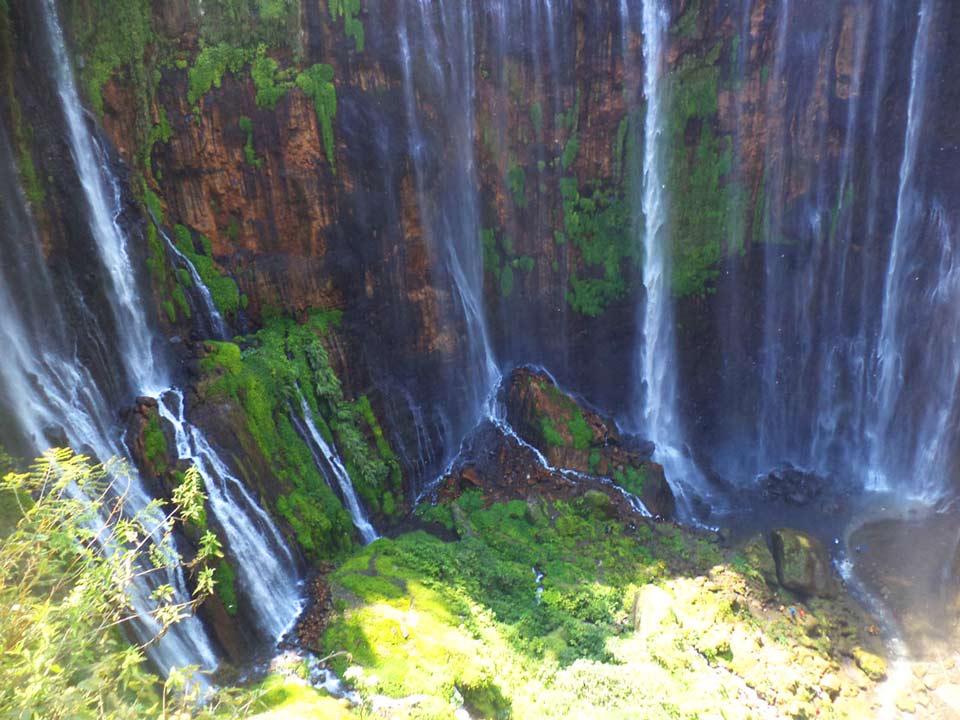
x=209 y=67
x=271 y=83
x=63 y=599
x=550 y=433
x=570 y=151
x=501 y=260
x=114 y=35
x=226 y=587
x=459 y=598
x=352 y=26
x=249 y=153
x=700 y=199
x=598 y=225
x=317 y=83
x=223 y=289
x=155 y=444
x=631 y=479
x=517 y=182
x=248 y=23
x=161 y=132
x=536 y=117
x=687 y=26
x=265 y=380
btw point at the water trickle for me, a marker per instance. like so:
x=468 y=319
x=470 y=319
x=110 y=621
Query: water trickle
x=328 y=463
x=211 y=315
x=265 y=568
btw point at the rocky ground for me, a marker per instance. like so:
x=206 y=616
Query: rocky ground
x=536 y=592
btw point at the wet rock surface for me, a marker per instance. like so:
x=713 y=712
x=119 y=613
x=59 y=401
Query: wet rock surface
x=803 y=564
x=792 y=486
x=573 y=437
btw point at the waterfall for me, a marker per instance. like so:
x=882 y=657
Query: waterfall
x=331 y=460
x=266 y=570
x=658 y=417
x=437 y=57
x=899 y=314
x=213 y=317
x=44 y=386
x=102 y=194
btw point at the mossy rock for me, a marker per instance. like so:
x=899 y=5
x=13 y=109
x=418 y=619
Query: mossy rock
x=803 y=564
x=874 y=666
x=759 y=559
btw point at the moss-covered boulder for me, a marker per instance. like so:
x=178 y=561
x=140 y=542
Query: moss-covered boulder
x=874 y=666
x=803 y=564
x=573 y=437
x=150 y=439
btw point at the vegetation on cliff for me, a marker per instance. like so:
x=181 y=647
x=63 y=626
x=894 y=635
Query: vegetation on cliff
x=263 y=382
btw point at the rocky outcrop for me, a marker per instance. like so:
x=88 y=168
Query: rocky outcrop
x=502 y=468
x=573 y=437
x=803 y=564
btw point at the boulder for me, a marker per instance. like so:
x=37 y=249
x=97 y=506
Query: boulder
x=573 y=437
x=874 y=666
x=792 y=486
x=757 y=555
x=803 y=564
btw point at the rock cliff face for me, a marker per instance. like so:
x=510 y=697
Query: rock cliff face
x=290 y=149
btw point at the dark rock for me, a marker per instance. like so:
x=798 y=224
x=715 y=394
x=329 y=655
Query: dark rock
x=803 y=564
x=574 y=437
x=790 y=485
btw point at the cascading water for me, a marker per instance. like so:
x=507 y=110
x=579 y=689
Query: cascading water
x=440 y=65
x=331 y=463
x=657 y=414
x=835 y=328
x=218 y=328
x=892 y=454
x=44 y=386
x=102 y=195
x=266 y=569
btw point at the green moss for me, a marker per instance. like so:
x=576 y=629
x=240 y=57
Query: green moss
x=501 y=261
x=317 y=83
x=155 y=444
x=570 y=151
x=226 y=587
x=550 y=433
x=249 y=23
x=536 y=117
x=700 y=198
x=211 y=65
x=579 y=430
x=223 y=289
x=249 y=153
x=687 y=26
x=631 y=479
x=598 y=225
x=271 y=83
x=264 y=380
x=281 y=697
x=113 y=35
x=517 y=182
x=352 y=25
